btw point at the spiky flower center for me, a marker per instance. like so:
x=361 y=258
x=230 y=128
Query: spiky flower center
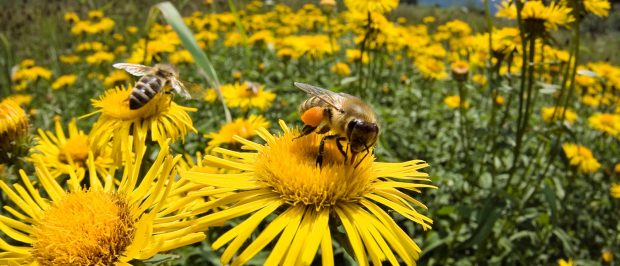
x=289 y=166
x=83 y=228
x=75 y=149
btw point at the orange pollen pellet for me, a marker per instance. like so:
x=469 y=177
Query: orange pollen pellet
x=313 y=116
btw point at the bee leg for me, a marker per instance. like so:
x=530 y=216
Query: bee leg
x=341 y=148
x=319 y=157
x=305 y=131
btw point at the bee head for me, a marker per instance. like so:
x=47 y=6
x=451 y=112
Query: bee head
x=361 y=134
x=166 y=70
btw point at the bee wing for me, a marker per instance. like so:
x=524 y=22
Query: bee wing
x=134 y=69
x=332 y=98
x=180 y=88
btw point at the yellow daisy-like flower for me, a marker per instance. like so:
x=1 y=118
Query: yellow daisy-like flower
x=581 y=157
x=63 y=81
x=615 y=190
x=100 y=57
x=62 y=154
x=117 y=77
x=162 y=117
x=537 y=16
x=108 y=223
x=597 y=7
x=454 y=101
x=552 y=114
x=431 y=68
x=365 y=6
x=245 y=128
x=460 y=70
x=562 y=262
x=20 y=99
x=69 y=59
x=608 y=256
x=607 y=123
x=246 y=95
x=341 y=69
x=281 y=180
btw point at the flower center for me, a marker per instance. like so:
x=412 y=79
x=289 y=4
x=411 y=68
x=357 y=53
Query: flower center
x=289 y=166
x=76 y=148
x=84 y=228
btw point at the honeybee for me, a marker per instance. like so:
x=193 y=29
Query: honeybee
x=152 y=81
x=347 y=116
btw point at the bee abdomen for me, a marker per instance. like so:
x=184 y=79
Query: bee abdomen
x=144 y=90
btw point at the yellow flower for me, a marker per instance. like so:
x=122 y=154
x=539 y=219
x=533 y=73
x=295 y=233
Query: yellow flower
x=607 y=255
x=245 y=128
x=365 y=6
x=71 y=17
x=246 y=95
x=90 y=46
x=263 y=37
x=454 y=101
x=31 y=73
x=69 y=59
x=552 y=114
x=355 y=55
x=431 y=68
x=20 y=99
x=95 y=14
x=499 y=100
x=537 y=16
x=132 y=29
x=161 y=117
x=62 y=154
x=100 y=57
x=107 y=223
x=607 y=123
x=428 y=19
x=281 y=180
x=180 y=57
x=116 y=77
x=341 y=69
x=479 y=79
x=63 y=81
x=13 y=126
x=562 y=262
x=314 y=46
x=599 y=8
x=581 y=157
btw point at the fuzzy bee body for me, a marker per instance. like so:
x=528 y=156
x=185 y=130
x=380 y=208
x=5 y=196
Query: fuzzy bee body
x=152 y=81
x=347 y=116
x=145 y=89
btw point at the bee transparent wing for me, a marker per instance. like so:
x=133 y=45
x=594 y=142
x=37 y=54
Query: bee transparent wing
x=331 y=98
x=134 y=69
x=180 y=88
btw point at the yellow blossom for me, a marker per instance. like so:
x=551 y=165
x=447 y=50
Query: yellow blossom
x=454 y=101
x=581 y=157
x=64 y=81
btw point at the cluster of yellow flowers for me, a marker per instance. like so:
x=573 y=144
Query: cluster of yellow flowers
x=133 y=198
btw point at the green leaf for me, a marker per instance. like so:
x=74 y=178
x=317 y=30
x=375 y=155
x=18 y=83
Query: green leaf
x=175 y=20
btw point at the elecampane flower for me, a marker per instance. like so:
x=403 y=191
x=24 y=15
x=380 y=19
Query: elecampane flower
x=108 y=223
x=365 y=6
x=282 y=178
x=161 y=117
x=581 y=157
x=62 y=154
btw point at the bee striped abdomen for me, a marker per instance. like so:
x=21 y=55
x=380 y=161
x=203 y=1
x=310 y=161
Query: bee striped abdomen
x=145 y=89
x=311 y=102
